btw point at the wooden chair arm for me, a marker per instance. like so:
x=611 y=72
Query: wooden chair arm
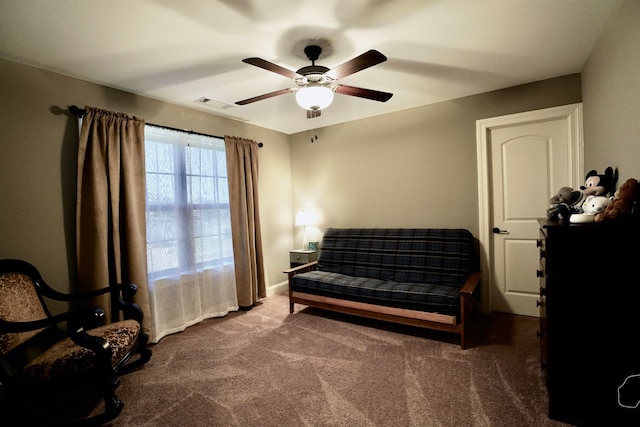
x=124 y=303
x=121 y=298
x=471 y=283
x=125 y=290
x=97 y=345
x=311 y=266
x=89 y=318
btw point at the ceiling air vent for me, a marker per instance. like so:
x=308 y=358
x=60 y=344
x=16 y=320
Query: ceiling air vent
x=213 y=103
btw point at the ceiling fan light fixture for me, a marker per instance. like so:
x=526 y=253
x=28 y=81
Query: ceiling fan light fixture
x=314 y=97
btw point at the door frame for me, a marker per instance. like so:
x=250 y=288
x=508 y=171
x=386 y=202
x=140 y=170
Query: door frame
x=572 y=112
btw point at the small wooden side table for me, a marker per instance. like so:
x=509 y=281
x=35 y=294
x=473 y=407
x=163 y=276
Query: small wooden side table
x=301 y=256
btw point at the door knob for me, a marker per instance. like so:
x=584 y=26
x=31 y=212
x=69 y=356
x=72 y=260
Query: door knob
x=496 y=230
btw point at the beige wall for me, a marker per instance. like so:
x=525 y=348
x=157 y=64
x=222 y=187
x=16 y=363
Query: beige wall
x=611 y=93
x=414 y=168
x=38 y=149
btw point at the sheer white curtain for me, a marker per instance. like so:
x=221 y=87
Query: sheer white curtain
x=189 y=246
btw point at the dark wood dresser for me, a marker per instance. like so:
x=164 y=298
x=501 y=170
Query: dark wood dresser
x=590 y=321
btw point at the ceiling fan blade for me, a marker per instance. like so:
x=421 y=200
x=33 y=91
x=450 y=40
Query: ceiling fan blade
x=270 y=66
x=374 y=95
x=312 y=114
x=359 y=63
x=265 y=96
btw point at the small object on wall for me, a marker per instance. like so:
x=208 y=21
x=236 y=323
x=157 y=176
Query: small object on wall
x=313 y=246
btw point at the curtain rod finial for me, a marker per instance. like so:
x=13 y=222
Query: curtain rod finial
x=75 y=110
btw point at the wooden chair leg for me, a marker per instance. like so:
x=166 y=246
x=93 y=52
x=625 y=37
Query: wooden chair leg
x=112 y=404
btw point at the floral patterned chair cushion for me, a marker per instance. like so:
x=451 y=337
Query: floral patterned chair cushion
x=65 y=358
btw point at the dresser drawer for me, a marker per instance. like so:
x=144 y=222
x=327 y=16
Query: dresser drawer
x=542 y=304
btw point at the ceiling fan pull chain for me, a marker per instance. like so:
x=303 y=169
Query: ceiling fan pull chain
x=314 y=135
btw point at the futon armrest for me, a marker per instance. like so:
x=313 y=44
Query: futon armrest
x=471 y=283
x=311 y=266
x=468 y=297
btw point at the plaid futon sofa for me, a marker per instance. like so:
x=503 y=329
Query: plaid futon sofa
x=420 y=277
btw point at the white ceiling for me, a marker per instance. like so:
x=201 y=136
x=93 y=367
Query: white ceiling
x=179 y=51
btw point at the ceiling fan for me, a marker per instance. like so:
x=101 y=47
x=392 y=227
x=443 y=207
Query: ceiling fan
x=315 y=84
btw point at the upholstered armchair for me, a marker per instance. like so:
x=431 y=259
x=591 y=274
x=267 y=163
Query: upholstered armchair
x=39 y=356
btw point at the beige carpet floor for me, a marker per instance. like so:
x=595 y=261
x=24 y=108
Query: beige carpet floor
x=264 y=367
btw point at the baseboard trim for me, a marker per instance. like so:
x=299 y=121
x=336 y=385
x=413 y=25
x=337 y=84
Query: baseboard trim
x=278 y=288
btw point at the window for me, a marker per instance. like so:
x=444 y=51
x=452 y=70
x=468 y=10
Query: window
x=187 y=198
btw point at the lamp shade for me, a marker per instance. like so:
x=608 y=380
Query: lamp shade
x=304 y=218
x=314 y=97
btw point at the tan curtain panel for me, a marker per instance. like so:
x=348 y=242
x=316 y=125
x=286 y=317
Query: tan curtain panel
x=110 y=211
x=242 y=170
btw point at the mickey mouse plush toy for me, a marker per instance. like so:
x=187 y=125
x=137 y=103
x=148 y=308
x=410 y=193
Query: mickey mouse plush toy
x=600 y=185
x=594 y=185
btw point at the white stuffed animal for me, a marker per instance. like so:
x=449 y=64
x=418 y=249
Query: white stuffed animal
x=595 y=204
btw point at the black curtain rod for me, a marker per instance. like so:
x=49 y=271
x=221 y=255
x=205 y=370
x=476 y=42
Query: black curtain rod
x=80 y=112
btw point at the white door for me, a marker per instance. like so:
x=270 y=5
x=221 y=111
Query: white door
x=527 y=158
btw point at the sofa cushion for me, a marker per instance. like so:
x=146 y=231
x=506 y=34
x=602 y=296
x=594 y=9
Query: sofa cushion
x=435 y=298
x=435 y=256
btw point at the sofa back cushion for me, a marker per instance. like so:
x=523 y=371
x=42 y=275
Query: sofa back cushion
x=418 y=255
